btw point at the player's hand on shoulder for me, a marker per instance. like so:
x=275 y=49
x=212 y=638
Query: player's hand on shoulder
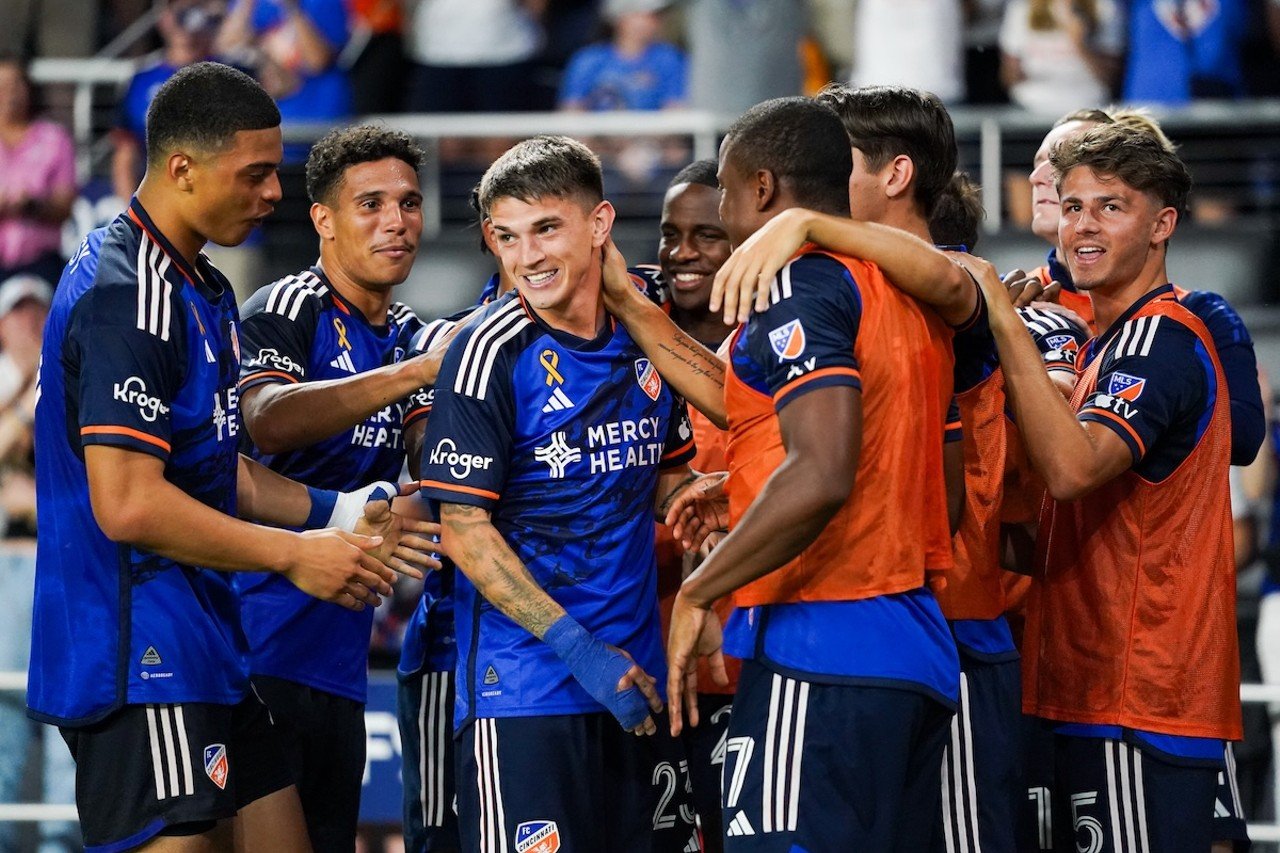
x=1024 y=289
x=616 y=285
x=410 y=545
x=699 y=509
x=335 y=565
x=748 y=275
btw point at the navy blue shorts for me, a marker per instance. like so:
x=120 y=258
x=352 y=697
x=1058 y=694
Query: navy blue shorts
x=827 y=768
x=1035 y=806
x=981 y=765
x=1228 y=812
x=704 y=748
x=1112 y=797
x=572 y=783
x=424 y=705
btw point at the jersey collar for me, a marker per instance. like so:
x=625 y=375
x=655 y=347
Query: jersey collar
x=207 y=281
x=1096 y=344
x=1058 y=271
x=340 y=302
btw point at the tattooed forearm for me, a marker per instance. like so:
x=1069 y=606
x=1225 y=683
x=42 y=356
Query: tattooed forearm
x=694 y=356
x=488 y=561
x=664 y=505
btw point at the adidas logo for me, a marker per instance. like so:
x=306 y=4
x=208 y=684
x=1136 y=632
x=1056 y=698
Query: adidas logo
x=740 y=825
x=151 y=657
x=692 y=846
x=559 y=401
x=491 y=676
x=1219 y=809
x=344 y=362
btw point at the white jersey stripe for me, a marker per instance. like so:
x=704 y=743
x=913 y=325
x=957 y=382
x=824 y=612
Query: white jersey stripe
x=157 y=768
x=189 y=785
x=1125 y=332
x=143 y=283
x=786 y=281
x=480 y=346
x=1151 y=336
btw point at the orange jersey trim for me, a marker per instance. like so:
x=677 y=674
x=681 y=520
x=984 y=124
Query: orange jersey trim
x=681 y=449
x=421 y=410
x=266 y=373
x=131 y=433
x=1142 y=448
x=817 y=374
x=466 y=490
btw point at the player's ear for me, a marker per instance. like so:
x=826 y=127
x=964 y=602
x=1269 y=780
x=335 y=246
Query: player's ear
x=179 y=168
x=1166 y=221
x=898 y=176
x=322 y=219
x=602 y=216
x=766 y=189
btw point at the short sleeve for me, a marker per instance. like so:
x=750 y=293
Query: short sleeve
x=466 y=453
x=1153 y=378
x=419 y=403
x=276 y=337
x=129 y=342
x=679 y=448
x=805 y=339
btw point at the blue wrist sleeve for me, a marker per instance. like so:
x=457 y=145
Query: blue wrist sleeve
x=597 y=667
x=322 y=504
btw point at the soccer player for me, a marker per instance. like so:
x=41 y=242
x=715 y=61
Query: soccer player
x=1135 y=550
x=137 y=650
x=1235 y=346
x=317 y=414
x=850 y=673
x=551 y=442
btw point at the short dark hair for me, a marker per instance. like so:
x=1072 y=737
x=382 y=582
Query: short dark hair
x=543 y=166
x=1136 y=157
x=802 y=143
x=205 y=105
x=958 y=213
x=340 y=149
x=884 y=122
x=698 y=172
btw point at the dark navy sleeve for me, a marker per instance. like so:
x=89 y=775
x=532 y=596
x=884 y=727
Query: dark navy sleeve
x=953 y=430
x=276 y=337
x=426 y=336
x=130 y=348
x=679 y=447
x=1240 y=365
x=1152 y=382
x=467 y=449
x=648 y=280
x=975 y=349
x=804 y=340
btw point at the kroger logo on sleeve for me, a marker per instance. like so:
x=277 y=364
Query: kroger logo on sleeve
x=134 y=391
x=460 y=464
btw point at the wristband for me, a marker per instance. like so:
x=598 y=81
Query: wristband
x=322 y=504
x=597 y=668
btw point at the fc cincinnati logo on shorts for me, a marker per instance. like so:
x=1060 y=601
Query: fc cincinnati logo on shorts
x=1124 y=386
x=647 y=376
x=215 y=763
x=787 y=341
x=537 y=836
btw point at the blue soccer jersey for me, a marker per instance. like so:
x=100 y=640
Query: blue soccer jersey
x=300 y=329
x=562 y=440
x=141 y=353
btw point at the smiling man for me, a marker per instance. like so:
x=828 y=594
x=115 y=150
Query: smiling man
x=1131 y=635
x=326 y=398
x=551 y=443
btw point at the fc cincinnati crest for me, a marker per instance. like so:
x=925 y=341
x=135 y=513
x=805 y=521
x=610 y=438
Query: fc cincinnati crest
x=788 y=341
x=235 y=342
x=647 y=376
x=1124 y=386
x=537 y=836
x=215 y=763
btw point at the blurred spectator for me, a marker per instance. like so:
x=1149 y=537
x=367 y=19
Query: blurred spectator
x=188 y=28
x=474 y=55
x=24 y=304
x=914 y=43
x=982 y=52
x=1184 y=49
x=37 y=180
x=742 y=52
x=293 y=46
x=376 y=53
x=634 y=70
x=1059 y=54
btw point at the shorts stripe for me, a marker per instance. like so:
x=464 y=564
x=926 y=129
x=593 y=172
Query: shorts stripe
x=156 y=763
x=432 y=734
x=166 y=726
x=959 y=786
x=493 y=836
x=189 y=785
x=1126 y=796
x=1233 y=782
x=784 y=738
x=1140 y=804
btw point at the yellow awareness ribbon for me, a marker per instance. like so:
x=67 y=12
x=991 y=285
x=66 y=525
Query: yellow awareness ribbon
x=342 y=333
x=549 y=360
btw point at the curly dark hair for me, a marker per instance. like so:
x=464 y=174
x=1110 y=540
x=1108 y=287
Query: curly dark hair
x=1136 y=157
x=340 y=149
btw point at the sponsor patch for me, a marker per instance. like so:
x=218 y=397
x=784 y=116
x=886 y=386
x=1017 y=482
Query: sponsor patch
x=215 y=763
x=1124 y=386
x=537 y=836
x=460 y=464
x=647 y=376
x=788 y=340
